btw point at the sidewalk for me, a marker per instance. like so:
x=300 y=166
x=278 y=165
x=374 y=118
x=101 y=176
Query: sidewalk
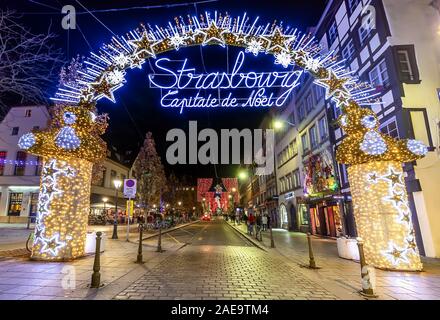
x=341 y=276
x=14 y=236
x=23 y=279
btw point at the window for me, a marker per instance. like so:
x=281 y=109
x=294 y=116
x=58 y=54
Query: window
x=294 y=148
x=313 y=137
x=301 y=112
x=332 y=33
x=379 y=75
x=291 y=118
x=309 y=103
x=289 y=182
x=390 y=128
x=319 y=93
x=20 y=165
x=305 y=143
x=38 y=167
x=352 y=4
x=296 y=179
x=323 y=130
x=2 y=162
x=15 y=201
x=336 y=110
x=348 y=50
x=102 y=182
x=407 y=64
x=28 y=113
x=364 y=32
x=14 y=131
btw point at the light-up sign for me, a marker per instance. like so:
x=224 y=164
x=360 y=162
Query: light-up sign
x=182 y=87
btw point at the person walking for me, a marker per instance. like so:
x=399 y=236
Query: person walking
x=258 y=221
x=264 y=222
x=251 y=222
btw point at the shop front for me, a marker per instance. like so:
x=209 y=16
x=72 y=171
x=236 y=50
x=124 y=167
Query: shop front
x=325 y=217
x=321 y=208
x=18 y=203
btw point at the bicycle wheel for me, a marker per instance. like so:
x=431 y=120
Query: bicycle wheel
x=30 y=242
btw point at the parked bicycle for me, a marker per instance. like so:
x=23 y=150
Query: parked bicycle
x=30 y=241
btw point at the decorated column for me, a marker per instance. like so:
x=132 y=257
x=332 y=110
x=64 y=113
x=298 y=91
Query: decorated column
x=380 y=200
x=69 y=147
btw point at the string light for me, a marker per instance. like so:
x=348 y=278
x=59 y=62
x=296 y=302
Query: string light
x=383 y=217
x=69 y=147
x=64 y=204
x=63 y=208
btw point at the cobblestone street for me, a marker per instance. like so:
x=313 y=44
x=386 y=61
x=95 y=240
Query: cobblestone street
x=220 y=264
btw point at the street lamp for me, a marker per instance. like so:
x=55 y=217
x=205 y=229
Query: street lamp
x=117 y=183
x=242 y=175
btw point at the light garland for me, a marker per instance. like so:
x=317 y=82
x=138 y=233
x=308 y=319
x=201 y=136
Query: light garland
x=63 y=208
x=382 y=214
x=363 y=147
x=106 y=69
x=69 y=147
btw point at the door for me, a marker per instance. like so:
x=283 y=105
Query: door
x=15 y=203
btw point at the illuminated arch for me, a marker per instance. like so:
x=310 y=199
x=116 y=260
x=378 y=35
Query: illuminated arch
x=72 y=142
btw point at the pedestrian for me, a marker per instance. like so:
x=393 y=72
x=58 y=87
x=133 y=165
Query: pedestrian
x=258 y=222
x=264 y=222
x=251 y=222
x=269 y=221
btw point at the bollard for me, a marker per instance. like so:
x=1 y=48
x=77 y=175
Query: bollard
x=139 y=256
x=367 y=288
x=159 y=240
x=312 y=263
x=272 y=243
x=96 y=276
x=28 y=222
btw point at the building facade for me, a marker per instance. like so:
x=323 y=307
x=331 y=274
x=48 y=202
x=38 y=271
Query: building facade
x=395 y=46
x=20 y=171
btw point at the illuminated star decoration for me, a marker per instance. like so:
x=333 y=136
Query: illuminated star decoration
x=52 y=245
x=49 y=190
x=411 y=244
x=396 y=254
x=397 y=198
x=143 y=46
x=38 y=233
x=372 y=177
x=394 y=178
x=105 y=89
x=213 y=34
x=137 y=62
x=336 y=88
x=277 y=42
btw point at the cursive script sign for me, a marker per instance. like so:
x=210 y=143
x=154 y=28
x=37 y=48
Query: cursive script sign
x=183 y=87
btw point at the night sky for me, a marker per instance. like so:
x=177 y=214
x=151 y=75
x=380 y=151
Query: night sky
x=138 y=108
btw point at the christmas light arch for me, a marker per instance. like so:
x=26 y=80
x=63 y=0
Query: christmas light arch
x=72 y=142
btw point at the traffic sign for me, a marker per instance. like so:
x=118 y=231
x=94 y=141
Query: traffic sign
x=130 y=188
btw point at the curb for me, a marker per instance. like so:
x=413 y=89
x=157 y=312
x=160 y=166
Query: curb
x=169 y=230
x=250 y=239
